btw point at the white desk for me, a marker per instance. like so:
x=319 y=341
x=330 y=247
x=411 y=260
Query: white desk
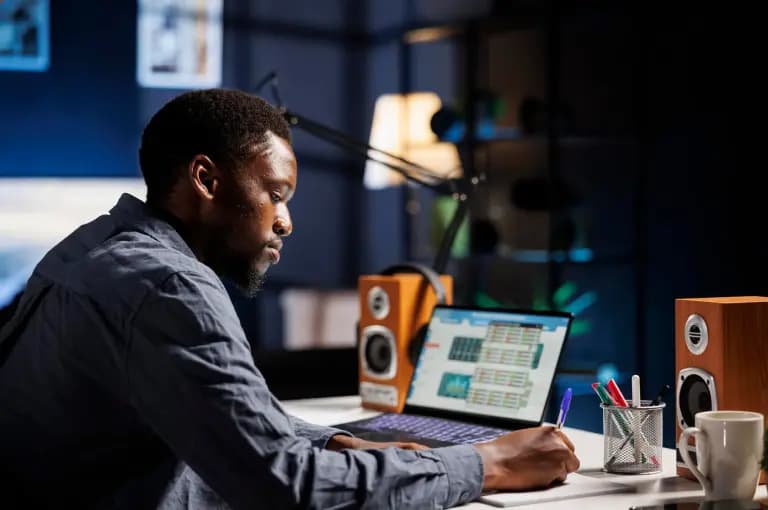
x=649 y=489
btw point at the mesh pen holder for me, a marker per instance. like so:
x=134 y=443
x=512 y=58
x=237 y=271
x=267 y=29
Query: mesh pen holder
x=632 y=438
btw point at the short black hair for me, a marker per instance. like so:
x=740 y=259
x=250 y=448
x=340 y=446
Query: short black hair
x=225 y=125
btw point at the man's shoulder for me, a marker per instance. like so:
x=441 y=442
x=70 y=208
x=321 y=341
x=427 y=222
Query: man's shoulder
x=139 y=252
x=122 y=265
x=134 y=257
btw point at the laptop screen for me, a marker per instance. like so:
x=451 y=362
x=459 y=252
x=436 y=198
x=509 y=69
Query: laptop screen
x=497 y=363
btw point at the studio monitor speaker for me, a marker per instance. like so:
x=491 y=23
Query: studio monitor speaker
x=395 y=307
x=721 y=359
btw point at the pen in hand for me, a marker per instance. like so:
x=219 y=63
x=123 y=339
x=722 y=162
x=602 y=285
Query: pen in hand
x=564 y=406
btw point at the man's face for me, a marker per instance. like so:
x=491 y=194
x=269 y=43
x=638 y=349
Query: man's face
x=250 y=216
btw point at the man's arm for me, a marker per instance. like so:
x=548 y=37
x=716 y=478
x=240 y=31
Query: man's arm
x=337 y=439
x=192 y=379
x=318 y=435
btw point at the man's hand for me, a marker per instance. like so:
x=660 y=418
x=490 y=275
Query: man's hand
x=341 y=442
x=527 y=459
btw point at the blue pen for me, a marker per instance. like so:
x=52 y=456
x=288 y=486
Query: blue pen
x=564 y=406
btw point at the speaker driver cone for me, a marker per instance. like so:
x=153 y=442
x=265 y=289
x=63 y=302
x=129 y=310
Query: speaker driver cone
x=378 y=352
x=696 y=393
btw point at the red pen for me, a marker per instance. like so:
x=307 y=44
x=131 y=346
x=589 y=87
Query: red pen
x=615 y=392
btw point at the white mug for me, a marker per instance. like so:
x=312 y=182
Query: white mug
x=729 y=446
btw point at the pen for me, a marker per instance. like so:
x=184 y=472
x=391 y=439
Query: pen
x=564 y=406
x=624 y=443
x=635 y=419
x=600 y=395
x=615 y=392
x=607 y=400
x=617 y=418
x=635 y=390
x=656 y=401
x=605 y=397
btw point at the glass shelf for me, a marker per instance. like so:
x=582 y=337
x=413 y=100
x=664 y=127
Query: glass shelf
x=513 y=135
x=575 y=256
x=524 y=15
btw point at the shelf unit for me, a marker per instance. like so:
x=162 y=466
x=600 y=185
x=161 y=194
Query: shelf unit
x=553 y=145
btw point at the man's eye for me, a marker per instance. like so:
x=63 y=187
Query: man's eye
x=275 y=197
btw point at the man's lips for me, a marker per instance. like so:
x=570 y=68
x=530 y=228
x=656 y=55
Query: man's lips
x=273 y=250
x=274 y=254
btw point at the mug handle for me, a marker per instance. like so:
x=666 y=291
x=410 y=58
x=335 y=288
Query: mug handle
x=682 y=446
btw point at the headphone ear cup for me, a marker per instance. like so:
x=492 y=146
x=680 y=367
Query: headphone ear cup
x=417 y=344
x=357 y=335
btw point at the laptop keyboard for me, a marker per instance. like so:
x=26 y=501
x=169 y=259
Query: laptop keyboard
x=432 y=428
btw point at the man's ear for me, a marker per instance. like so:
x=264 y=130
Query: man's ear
x=204 y=176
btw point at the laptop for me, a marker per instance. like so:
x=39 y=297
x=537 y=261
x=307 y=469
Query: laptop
x=480 y=374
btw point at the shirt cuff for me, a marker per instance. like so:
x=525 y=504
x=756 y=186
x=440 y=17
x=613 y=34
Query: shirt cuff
x=317 y=434
x=322 y=440
x=464 y=469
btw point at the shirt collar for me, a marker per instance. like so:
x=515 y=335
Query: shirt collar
x=158 y=224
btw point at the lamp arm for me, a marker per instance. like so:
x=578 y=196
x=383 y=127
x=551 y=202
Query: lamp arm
x=459 y=188
x=344 y=141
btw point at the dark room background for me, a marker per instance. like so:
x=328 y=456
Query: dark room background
x=630 y=173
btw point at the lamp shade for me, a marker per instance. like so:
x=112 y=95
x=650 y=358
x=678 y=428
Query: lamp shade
x=401 y=126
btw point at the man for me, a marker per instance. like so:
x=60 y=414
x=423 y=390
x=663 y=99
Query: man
x=130 y=383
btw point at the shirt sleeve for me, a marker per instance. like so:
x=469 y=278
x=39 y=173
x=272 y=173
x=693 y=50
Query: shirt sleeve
x=317 y=434
x=192 y=379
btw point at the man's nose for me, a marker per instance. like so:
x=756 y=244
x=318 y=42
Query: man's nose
x=283 y=226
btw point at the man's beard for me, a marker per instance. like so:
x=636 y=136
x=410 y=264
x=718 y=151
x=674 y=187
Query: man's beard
x=249 y=281
x=243 y=274
x=240 y=271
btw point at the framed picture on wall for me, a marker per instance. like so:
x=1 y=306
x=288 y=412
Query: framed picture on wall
x=179 y=43
x=24 y=35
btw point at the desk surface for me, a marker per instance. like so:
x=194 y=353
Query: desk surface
x=649 y=489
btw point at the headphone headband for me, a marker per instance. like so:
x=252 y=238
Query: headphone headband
x=430 y=275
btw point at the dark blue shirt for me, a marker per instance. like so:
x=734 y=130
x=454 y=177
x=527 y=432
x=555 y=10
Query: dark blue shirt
x=132 y=385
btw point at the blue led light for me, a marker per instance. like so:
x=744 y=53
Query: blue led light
x=606 y=372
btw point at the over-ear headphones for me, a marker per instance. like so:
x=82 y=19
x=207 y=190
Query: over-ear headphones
x=416 y=343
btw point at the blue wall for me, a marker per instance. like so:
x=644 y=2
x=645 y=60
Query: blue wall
x=79 y=118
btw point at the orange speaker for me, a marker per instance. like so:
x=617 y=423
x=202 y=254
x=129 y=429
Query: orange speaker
x=721 y=348
x=395 y=307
